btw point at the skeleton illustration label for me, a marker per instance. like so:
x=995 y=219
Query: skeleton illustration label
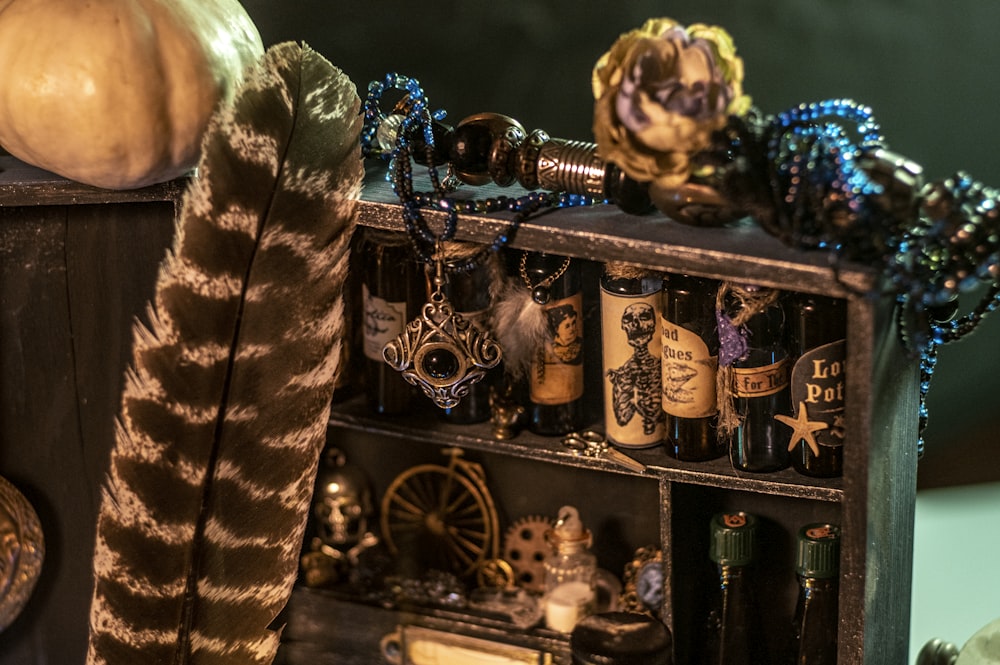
x=631 y=349
x=688 y=373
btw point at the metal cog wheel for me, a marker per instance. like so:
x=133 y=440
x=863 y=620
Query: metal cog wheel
x=525 y=549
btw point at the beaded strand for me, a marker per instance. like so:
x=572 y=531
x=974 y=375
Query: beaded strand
x=815 y=185
x=822 y=198
x=417 y=116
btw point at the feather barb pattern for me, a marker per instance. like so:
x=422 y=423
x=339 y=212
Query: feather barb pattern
x=225 y=405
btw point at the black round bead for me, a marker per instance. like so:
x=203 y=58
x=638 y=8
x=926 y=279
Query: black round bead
x=540 y=294
x=631 y=196
x=470 y=149
x=443 y=137
x=440 y=364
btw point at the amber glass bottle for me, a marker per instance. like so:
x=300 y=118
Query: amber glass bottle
x=630 y=349
x=690 y=348
x=393 y=290
x=817 y=566
x=817 y=338
x=555 y=381
x=734 y=633
x=469 y=294
x=760 y=387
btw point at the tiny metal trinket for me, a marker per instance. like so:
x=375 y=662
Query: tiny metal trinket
x=441 y=352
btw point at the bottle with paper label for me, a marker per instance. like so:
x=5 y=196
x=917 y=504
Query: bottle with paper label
x=393 y=288
x=817 y=337
x=630 y=346
x=690 y=350
x=759 y=382
x=555 y=378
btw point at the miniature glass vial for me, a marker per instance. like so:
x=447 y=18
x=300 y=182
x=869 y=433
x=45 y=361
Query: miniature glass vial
x=570 y=572
x=817 y=566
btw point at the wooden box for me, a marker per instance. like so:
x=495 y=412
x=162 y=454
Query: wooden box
x=671 y=503
x=77 y=265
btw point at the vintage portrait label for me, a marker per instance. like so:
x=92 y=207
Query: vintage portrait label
x=557 y=372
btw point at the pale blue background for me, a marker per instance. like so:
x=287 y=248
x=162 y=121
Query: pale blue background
x=956 y=582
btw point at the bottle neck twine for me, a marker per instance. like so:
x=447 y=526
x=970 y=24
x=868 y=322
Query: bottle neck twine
x=621 y=270
x=735 y=305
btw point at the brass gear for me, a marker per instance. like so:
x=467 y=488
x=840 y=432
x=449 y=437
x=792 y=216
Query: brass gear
x=495 y=573
x=525 y=549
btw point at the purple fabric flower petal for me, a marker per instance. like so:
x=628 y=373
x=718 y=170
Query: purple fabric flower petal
x=732 y=340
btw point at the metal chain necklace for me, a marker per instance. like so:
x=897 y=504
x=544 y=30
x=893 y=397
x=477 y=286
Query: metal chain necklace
x=540 y=292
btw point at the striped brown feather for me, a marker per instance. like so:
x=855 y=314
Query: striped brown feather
x=224 y=409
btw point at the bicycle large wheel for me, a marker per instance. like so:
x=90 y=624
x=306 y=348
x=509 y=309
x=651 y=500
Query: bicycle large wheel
x=439 y=518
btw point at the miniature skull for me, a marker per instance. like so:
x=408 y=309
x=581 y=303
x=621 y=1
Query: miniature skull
x=639 y=324
x=342 y=506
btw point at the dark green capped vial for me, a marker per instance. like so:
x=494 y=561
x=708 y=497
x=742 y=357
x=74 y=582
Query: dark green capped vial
x=734 y=630
x=817 y=566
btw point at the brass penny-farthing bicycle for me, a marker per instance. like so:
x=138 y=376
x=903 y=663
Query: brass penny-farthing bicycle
x=443 y=515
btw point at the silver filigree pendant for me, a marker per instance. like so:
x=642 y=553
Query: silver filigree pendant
x=442 y=353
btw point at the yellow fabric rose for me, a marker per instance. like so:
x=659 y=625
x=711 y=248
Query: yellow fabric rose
x=660 y=92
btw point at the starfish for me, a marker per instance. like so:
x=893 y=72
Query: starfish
x=803 y=428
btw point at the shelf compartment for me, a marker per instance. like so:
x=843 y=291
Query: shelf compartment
x=715 y=473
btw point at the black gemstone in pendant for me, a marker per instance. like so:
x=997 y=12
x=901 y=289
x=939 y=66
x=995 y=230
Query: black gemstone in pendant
x=540 y=294
x=439 y=364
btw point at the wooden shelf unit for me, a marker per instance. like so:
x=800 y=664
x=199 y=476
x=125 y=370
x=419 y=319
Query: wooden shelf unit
x=874 y=499
x=80 y=264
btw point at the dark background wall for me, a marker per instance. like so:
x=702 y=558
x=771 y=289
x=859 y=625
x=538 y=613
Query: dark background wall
x=925 y=67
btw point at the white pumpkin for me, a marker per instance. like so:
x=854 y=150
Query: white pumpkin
x=117 y=93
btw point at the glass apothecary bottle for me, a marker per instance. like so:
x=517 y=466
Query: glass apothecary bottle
x=817 y=566
x=570 y=573
x=468 y=291
x=758 y=379
x=734 y=629
x=393 y=289
x=630 y=350
x=555 y=377
x=817 y=339
x=690 y=349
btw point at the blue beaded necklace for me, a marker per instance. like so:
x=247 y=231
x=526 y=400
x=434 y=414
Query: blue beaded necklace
x=810 y=177
x=823 y=190
x=417 y=118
